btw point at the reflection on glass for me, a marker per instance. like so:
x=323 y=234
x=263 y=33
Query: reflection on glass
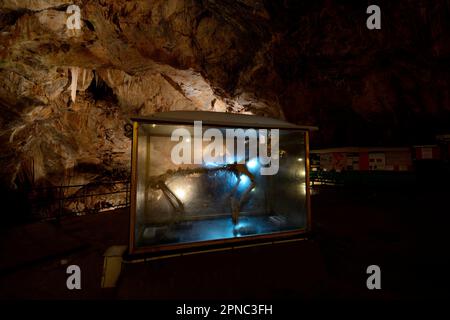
x=183 y=203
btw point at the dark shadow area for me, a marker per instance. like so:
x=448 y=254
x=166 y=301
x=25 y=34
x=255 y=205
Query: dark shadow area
x=402 y=230
x=16 y=208
x=100 y=90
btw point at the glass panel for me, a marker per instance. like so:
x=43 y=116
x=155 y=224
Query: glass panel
x=226 y=197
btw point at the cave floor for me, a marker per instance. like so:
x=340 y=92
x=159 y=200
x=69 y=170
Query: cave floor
x=402 y=231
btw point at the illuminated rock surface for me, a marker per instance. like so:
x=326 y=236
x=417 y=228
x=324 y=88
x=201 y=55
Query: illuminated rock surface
x=310 y=62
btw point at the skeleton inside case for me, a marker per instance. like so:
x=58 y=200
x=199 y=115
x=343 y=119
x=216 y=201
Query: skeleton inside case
x=204 y=177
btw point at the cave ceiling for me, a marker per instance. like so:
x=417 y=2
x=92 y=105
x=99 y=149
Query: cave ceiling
x=310 y=62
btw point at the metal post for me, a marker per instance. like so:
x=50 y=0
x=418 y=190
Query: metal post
x=126 y=194
x=61 y=204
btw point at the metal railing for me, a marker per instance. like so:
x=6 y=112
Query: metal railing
x=57 y=201
x=325 y=178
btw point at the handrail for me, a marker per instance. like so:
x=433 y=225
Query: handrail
x=46 y=207
x=83 y=185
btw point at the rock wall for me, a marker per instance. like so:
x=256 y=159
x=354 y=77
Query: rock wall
x=311 y=62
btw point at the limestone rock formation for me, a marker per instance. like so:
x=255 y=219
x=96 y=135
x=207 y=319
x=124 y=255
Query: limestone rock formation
x=66 y=94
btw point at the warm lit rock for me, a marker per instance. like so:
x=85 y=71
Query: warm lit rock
x=309 y=62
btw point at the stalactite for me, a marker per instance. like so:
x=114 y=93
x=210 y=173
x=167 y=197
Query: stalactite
x=83 y=78
x=73 y=86
x=96 y=78
x=15 y=130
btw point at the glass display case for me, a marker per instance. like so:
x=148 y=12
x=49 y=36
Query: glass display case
x=205 y=178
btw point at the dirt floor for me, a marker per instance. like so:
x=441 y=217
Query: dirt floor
x=402 y=231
